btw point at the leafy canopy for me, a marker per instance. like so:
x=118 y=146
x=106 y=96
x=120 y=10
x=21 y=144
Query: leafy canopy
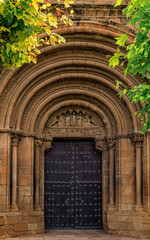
x=22 y=22
x=137 y=57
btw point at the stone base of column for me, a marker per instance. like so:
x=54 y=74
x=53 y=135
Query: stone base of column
x=37 y=207
x=111 y=207
x=14 y=208
x=138 y=207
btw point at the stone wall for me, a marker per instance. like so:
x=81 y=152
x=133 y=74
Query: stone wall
x=74 y=75
x=13 y=224
x=129 y=223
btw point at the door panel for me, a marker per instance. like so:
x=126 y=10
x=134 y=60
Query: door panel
x=73 y=185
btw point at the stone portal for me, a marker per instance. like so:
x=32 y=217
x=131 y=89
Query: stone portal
x=71 y=94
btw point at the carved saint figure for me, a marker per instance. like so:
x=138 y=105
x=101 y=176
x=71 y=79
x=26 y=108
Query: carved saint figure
x=79 y=119
x=67 y=123
x=73 y=119
x=88 y=123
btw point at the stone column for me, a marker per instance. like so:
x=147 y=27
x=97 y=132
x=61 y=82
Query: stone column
x=46 y=146
x=100 y=145
x=111 y=146
x=38 y=144
x=15 y=140
x=138 y=139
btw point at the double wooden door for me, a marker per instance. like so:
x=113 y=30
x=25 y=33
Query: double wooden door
x=73 y=185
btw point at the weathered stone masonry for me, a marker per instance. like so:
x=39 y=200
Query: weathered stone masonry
x=75 y=76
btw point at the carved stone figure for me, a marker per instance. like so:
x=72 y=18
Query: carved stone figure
x=73 y=122
x=58 y=123
x=79 y=120
x=87 y=122
x=73 y=119
x=68 y=121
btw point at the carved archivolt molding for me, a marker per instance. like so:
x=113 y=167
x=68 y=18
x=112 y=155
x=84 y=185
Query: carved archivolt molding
x=27 y=112
x=89 y=89
x=74 y=122
x=39 y=83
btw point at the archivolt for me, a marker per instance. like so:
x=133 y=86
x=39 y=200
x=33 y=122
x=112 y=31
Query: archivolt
x=77 y=73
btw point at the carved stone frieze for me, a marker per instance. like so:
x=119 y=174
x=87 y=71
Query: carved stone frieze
x=98 y=10
x=74 y=122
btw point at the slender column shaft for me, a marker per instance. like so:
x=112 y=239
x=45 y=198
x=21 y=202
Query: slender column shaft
x=111 y=179
x=138 y=139
x=138 y=176
x=14 y=173
x=37 y=173
x=37 y=177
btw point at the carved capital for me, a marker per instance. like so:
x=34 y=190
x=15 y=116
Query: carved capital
x=110 y=142
x=38 y=143
x=48 y=146
x=14 y=140
x=137 y=139
x=100 y=144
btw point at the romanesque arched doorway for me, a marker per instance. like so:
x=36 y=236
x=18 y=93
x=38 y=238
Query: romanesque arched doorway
x=73 y=185
x=35 y=98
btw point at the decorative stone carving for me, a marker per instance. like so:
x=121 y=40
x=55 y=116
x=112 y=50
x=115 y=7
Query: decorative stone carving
x=110 y=142
x=48 y=147
x=74 y=122
x=137 y=139
x=100 y=144
x=15 y=139
x=38 y=143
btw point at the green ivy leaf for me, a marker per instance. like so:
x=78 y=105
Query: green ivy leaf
x=118 y=2
x=122 y=40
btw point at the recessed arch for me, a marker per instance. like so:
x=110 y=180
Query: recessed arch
x=75 y=103
x=76 y=92
x=104 y=47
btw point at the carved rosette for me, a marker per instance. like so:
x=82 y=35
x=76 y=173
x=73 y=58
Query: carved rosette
x=137 y=139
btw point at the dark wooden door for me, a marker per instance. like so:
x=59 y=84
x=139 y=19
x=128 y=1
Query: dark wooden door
x=73 y=185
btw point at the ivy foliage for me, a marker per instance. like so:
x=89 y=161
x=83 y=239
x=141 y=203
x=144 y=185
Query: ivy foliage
x=22 y=22
x=137 y=57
